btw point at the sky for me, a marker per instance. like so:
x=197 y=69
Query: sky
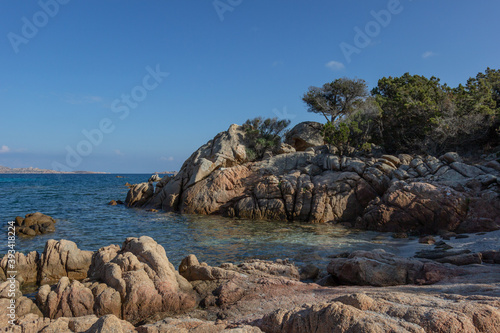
x=137 y=86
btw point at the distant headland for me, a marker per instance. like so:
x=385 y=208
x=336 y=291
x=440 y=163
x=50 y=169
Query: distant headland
x=31 y=170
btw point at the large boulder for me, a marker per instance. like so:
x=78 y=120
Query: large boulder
x=63 y=258
x=380 y=268
x=304 y=135
x=416 y=207
x=66 y=299
x=139 y=194
x=34 y=224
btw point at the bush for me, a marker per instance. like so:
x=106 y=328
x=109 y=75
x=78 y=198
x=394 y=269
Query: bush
x=358 y=130
x=263 y=135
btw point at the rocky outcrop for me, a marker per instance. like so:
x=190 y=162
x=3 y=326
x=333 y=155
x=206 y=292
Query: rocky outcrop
x=63 y=258
x=105 y=324
x=34 y=224
x=392 y=312
x=416 y=206
x=137 y=283
x=13 y=304
x=139 y=194
x=26 y=267
x=187 y=325
x=154 y=178
x=305 y=135
x=380 y=268
x=59 y=258
x=132 y=283
x=227 y=284
x=403 y=193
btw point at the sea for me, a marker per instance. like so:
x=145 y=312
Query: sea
x=79 y=203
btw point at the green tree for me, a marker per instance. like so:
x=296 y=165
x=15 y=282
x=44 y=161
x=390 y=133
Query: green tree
x=410 y=106
x=263 y=135
x=337 y=99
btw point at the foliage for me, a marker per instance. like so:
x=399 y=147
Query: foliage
x=337 y=99
x=409 y=104
x=264 y=135
x=423 y=115
x=410 y=113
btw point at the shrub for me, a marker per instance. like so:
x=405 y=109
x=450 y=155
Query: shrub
x=264 y=135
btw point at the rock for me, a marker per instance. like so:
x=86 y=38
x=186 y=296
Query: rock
x=141 y=273
x=187 y=325
x=112 y=203
x=63 y=258
x=13 y=305
x=427 y=240
x=411 y=194
x=304 y=135
x=34 y=224
x=285 y=149
x=416 y=207
x=390 y=312
x=192 y=270
x=66 y=299
x=379 y=268
x=212 y=194
x=438 y=254
x=309 y=272
x=491 y=257
x=462 y=259
x=451 y=157
x=33 y=323
x=139 y=194
x=154 y=178
x=111 y=324
x=26 y=267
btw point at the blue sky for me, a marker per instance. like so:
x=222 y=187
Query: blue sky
x=100 y=67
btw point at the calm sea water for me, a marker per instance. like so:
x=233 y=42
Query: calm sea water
x=79 y=204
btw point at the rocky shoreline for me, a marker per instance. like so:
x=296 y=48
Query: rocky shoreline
x=306 y=182
x=135 y=288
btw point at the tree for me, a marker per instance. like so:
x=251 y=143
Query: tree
x=263 y=135
x=410 y=106
x=337 y=99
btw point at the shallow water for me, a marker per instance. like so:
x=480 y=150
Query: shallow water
x=79 y=204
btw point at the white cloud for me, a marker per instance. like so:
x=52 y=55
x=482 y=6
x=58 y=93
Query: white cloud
x=118 y=152
x=428 y=54
x=335 y=65
x=170 y=158
x=4 y=149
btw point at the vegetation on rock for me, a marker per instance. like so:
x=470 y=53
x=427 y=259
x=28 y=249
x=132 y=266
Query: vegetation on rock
x=264 y=135
x=410 y=113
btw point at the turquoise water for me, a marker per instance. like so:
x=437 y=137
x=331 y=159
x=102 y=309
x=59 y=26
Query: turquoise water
x=79 y=204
